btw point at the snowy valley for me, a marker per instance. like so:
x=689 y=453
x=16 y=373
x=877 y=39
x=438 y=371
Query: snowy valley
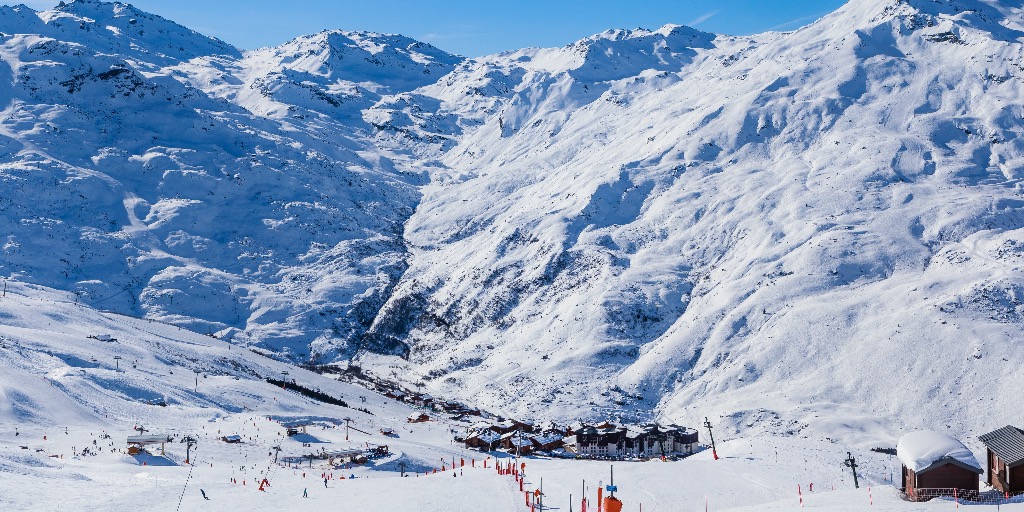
x=811 y=237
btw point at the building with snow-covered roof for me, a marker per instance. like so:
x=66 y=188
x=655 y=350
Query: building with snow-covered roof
x=483 y=440
x=1005 y=458
x=418 y=418
x=421 y=399
x=517 y=442
x=653 y=440
x=504 y=426
x=547 y=440
x=137 y=443
x=597 y=442
x=936 y=463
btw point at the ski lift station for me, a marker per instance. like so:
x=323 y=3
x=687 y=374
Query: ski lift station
x=137 y=443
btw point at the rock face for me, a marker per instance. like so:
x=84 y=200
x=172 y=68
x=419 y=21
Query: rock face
x=669 y=221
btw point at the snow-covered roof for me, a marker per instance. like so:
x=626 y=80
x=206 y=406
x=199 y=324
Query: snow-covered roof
x=920 y=451
x=519 y=441
x=634 y=431
x=344 y=452
x=487 y=436
x=547 y=438
x=149 y=439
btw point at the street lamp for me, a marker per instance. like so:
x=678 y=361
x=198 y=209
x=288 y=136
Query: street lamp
x=197 y=379
x=284 y=378
x=117 y=363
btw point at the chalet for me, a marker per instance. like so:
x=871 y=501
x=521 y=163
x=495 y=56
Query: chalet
x=452 y=407
x=1005 y=448
x=394 y=394
x=418 y=418
x=550 y=426
x=484 y=440
x=233 y=439
x=421 y=400
x=934 y=464
x=387 y=431
x=547 y=441
x=480 y=425
x=523 y=426
x=517 y=442
x=504 y=426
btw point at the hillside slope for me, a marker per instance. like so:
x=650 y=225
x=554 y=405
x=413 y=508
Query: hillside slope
x=140 y=178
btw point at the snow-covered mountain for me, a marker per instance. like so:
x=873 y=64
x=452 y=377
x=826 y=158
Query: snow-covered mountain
x=752 y=225
x=673 y=221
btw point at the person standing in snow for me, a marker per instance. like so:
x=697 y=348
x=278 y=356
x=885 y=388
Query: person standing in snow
x=325 y=483
x=305 y=493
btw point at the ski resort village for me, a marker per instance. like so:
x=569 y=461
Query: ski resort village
x=653 y=270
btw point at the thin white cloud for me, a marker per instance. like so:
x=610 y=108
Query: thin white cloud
x=702 y=18
x=799 y=22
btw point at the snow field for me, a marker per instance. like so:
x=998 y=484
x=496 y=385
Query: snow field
x=54 y=377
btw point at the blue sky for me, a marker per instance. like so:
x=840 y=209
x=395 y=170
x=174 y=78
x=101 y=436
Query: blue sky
x=477 y=27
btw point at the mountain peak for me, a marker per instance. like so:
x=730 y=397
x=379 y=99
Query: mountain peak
x=987 y=15
x=122 y=28
x=396 y=61
x=619 y=53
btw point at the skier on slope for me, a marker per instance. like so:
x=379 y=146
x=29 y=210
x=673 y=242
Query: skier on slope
x=204 y=494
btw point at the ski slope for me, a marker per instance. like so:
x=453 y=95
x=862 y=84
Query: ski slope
x=61 y=391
